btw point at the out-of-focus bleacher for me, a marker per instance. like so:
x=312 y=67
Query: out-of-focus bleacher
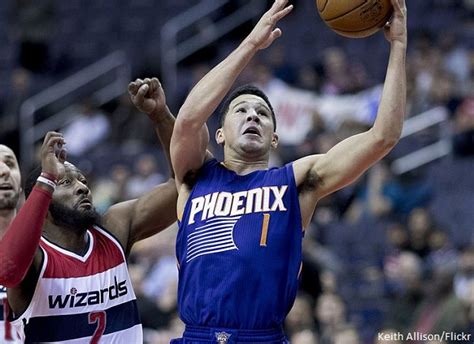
x=371 y=259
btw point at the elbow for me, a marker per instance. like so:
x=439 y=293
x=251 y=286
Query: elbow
x=186 y=123
x=386 y=141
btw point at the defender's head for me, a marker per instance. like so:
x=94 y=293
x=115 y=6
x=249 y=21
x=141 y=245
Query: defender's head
x=10 y=179
x=248 y=122
x=71 y=205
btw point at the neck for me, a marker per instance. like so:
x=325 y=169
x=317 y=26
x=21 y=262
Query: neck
x=6 y=217
x=69 y=238
x=243 y=167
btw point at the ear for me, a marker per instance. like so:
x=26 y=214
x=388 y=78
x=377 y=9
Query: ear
x=274 y=142
x=220 y=139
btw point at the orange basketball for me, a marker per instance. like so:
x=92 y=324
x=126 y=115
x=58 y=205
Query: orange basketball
x=355 y=18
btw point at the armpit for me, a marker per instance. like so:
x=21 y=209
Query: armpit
x=311 y=182
x=190 y=178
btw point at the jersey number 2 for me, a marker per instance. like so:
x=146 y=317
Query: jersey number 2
x=100 y=318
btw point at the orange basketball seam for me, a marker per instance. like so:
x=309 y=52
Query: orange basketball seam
x=343 y=14
x=385 y=19
x=324 y=7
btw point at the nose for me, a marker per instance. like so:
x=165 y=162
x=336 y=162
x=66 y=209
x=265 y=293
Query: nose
x=82 y=189
x=4 y=170
x=252 y=116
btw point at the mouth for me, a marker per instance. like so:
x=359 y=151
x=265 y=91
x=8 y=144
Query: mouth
x=85 y=202
x=6 y=187
x=252 y=131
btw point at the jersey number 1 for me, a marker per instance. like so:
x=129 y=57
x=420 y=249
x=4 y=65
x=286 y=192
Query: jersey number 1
x=100 y=318
x=263 y=237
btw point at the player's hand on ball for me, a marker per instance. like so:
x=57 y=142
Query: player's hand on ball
x=264 y=32
x=396 y=29
x=148 y=96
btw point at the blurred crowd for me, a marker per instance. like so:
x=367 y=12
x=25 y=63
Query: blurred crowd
x=377 y=257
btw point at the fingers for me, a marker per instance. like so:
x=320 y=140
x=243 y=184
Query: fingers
x=276 y=33
x=60 y=152
x=53 y=144
x=153 y=84
x=277 y=6
x=141 y=93
x=134 y=86
x=283 y=13
x=399 y=6
x=52 y=138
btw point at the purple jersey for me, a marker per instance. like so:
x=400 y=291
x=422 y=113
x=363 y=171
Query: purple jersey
x=239 y=248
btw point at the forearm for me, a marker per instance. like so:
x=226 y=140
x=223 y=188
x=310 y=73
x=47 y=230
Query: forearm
x=18 y=246
x=206 y=96
x=392 y=108
x=164 y=129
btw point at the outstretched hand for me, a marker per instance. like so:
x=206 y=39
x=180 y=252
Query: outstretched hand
x=148 y=97
x=265 y=32
x=396 y=29
x=53 y=155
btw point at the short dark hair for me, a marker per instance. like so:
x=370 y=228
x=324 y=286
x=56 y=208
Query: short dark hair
x=31 y=180
x=245 y=89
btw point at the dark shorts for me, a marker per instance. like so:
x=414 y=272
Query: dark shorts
x=208 y=335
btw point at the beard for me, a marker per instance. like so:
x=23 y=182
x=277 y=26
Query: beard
x=73 y=218
x=9 y=202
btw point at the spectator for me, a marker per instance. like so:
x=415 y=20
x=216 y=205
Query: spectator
x=88 y=127
x=342 y=76
x=420 y=227
x=300 y=318
x=386 y=195
x=464 y=276
x=146 y=176
x=404 y=280
x=330 y=312
x=346 y=335
x=304 y=337
x=463 y=137
x=110 y=189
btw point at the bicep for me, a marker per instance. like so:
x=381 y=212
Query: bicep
x=188 y=148
x=140 y=218
x=347 y=160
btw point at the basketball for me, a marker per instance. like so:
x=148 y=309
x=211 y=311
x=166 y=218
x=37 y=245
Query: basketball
x=355 y=18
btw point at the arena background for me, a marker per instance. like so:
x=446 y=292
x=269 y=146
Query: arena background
x=393 y=253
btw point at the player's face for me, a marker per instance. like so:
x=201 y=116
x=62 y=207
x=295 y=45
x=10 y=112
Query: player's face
x=248 y=126
x=10 y=179
x=72 y=200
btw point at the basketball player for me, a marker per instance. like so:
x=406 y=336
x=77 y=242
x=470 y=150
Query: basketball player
x=240 y=223
x=10 y=192
x=66 y=270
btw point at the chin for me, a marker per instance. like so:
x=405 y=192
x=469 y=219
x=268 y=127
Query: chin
x=254 y=149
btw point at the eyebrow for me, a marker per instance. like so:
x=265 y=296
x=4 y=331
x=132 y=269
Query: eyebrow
x=259 y=104
x=9 y=157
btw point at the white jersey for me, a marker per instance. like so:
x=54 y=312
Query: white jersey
x=82 y=299
x=7 y=332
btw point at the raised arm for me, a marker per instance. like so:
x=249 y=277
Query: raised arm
x=19 y=246
x=154 y=211
x=148 y=96
x=190 y=135
x=347 y=160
